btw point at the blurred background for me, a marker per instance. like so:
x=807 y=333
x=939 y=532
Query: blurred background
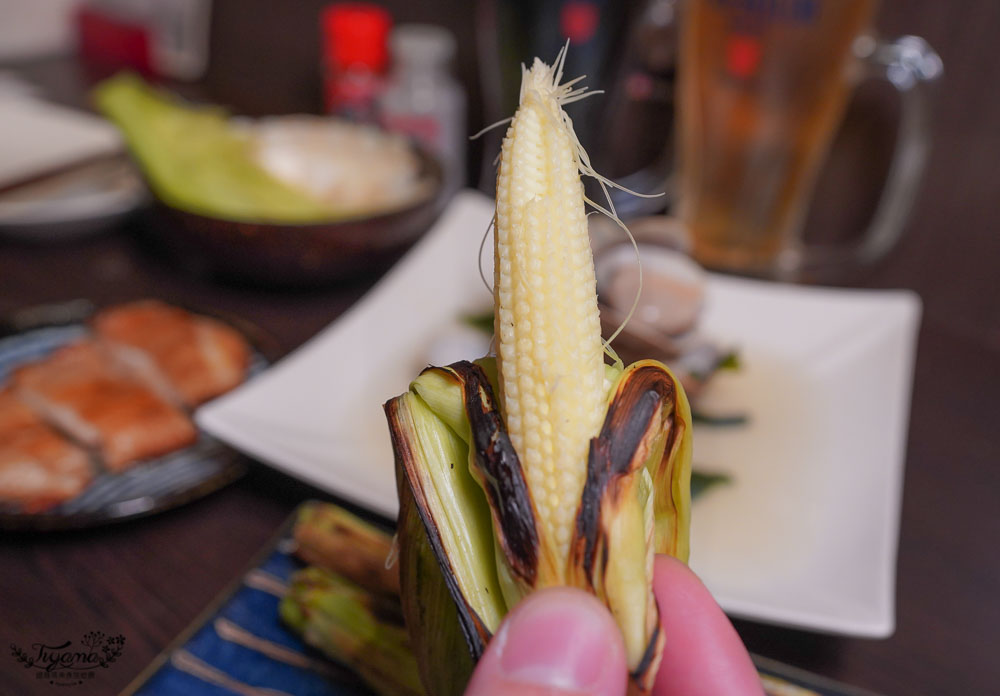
x=436 y=72
x=260 y=58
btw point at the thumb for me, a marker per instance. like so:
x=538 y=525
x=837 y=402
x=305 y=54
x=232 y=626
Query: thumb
x=560 y=642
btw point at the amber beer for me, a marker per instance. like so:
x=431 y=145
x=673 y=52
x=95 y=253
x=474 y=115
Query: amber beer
x=763 y=87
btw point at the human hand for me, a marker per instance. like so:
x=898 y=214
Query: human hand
x=564 y=642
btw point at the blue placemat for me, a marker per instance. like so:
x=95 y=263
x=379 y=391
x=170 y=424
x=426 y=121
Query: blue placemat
x=239 y=647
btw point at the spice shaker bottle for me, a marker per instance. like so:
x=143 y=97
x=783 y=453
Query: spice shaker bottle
x=355 y=57
x=423 y=100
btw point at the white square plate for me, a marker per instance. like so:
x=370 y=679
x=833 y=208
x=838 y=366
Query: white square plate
x=805 y=535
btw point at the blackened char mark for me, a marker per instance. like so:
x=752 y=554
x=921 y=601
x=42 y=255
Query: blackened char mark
x=612 y=452
x=639 y=674
x=502 y=474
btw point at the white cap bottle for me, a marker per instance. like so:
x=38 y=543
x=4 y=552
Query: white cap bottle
x=423 y=100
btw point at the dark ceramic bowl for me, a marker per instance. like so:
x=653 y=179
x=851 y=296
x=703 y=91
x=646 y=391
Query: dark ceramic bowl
x=297 y=255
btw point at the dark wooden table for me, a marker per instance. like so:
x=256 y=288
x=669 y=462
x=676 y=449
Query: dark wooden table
x=147 y=579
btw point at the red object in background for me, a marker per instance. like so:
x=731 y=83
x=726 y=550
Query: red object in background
x=578 y=21
x=356 y=54
x=743 y=56
x=114 y=42
x=355 y=35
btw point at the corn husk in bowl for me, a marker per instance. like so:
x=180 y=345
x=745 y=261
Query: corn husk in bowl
x=266 y=201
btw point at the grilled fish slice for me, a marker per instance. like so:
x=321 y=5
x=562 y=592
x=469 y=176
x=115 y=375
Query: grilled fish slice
x=38 y=468
x=186 y=358
x=82 y=392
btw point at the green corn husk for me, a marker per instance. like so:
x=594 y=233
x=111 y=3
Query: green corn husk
x=636 y=502
x=360 y=630
x=195 y=159
x=331 y=537
x=445 y=663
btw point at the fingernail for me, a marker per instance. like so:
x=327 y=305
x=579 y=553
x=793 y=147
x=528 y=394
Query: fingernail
x=563 y=639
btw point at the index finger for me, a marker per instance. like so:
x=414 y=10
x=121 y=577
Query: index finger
x=703 y=654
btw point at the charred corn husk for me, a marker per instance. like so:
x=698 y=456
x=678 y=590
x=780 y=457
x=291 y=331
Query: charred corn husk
x=544 y=466
x=360 y=630
x=330 y=537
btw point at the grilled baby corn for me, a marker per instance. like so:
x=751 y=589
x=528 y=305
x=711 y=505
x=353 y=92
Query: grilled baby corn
x=550 y=356
x=544 y=466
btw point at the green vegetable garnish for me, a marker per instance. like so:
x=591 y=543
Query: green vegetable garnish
x=701 y=481
x=482 y=321
x=730 y=361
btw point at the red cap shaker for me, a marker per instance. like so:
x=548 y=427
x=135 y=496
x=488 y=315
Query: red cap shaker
x=355 y=51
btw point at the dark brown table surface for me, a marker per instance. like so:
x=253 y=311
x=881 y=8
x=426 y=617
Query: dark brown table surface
x=147 y=579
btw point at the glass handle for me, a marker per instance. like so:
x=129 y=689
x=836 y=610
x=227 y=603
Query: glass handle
x=909 y=64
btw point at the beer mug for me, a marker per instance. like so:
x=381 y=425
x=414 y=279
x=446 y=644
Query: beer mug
x=763 y=86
